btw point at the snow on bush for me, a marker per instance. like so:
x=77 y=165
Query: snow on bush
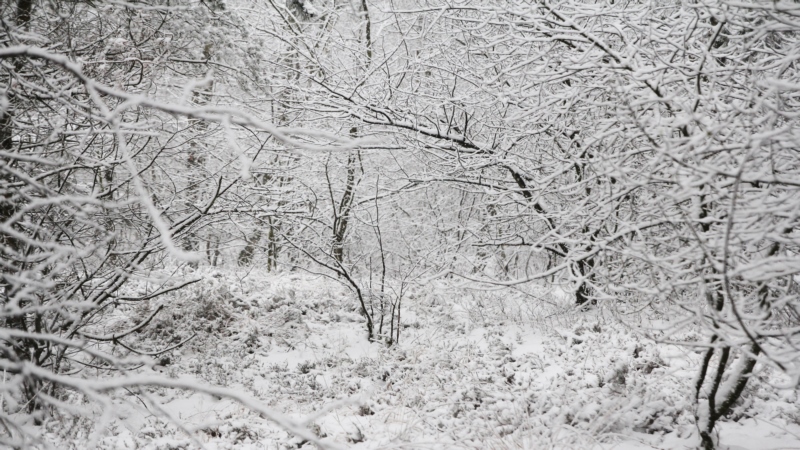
x=473 y=370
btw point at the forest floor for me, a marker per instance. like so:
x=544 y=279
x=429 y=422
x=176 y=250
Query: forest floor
x=472 y=370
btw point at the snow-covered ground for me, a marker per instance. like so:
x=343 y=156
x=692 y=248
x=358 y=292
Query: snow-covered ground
x=476 y=370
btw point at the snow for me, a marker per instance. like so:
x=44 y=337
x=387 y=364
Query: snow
x=459 y=378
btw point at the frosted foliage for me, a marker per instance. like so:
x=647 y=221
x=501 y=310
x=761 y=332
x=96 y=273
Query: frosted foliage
x=466 y=223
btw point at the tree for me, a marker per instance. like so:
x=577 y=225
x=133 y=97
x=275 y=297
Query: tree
x=666 y=184
x=643 y=149
x=92 y=149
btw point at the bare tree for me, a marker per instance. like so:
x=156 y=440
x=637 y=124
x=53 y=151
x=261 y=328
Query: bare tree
x=90 y=192
x=641 y=151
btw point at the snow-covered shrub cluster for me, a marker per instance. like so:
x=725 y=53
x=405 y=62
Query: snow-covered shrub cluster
x=296 y=342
